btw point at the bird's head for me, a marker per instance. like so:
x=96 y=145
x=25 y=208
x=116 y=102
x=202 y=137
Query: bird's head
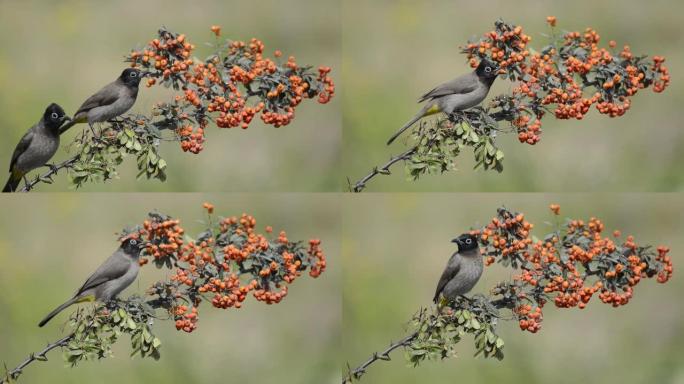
x=54 y=116
x=133 y=245
x=132 y=76
x=487 y=70
x=466 y=242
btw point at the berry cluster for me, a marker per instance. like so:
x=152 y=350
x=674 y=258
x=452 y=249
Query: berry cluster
x=165 y=236
x=566 y=77
x=569 y=265
x=220 y=87
x=224 y=264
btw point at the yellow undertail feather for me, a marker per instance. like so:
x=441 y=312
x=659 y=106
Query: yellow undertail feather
x=67 y=304
x=85 y=299
x=81 y=119
x=433 y=110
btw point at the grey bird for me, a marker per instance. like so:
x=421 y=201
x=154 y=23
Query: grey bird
x=463 y=269
x=109 y=279
x=37 y=146
x=459 y=94
x=109 y=102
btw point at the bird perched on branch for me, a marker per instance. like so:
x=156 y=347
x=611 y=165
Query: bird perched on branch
x=461 y=93
x=109 y=102
x=463 y=269
x=110 y=278
x=37 y=146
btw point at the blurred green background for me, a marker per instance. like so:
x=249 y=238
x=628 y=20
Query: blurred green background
x=395 y=247
x=47 y=251
x=394 y=51
x=64 y=51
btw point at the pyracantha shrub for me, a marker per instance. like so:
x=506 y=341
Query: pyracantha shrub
x=223 y=266
x=576 y=261
x=563 y=78
x=235 y=83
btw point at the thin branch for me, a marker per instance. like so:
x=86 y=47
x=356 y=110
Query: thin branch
x=457 y=118
x=382 y=170
x=14 y=374
x=359 y=371
x=47 y=177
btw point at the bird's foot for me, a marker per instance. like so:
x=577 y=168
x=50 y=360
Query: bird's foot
x=53 y=167
x=479 y=297
x=460 y=117
x=92 y=129
x=113 y=303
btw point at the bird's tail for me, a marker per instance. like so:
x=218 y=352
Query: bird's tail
x=66 y=126
x=76 y=120
x=423 y=112
x=73 y=300
x=13 y=182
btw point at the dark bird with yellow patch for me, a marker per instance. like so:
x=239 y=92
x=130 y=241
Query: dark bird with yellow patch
x=109 y=279
x=459 y=94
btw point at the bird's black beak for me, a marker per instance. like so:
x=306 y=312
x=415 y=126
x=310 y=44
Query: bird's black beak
x=66 y=118
x=457 y=241
x=145 y=74
x=143 y=244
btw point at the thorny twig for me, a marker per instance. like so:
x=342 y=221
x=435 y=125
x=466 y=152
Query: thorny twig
x=14 y=373
x=357 y=372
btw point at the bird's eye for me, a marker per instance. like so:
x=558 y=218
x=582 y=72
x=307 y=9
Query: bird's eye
x=488 y=69
x=54 y=115
x=134 y=242
x=133 y=74
x=468 y=241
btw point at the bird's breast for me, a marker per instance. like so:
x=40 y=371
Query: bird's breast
x=39 y=152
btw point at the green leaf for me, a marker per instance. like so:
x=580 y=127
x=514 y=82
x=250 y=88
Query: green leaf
x=132 y=324
x=489 y=148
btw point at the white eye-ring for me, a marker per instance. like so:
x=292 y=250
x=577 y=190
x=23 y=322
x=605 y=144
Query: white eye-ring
x=133 y=74
x=54 y=115
x=488 y=69
x=133 y=242
x=468 y=241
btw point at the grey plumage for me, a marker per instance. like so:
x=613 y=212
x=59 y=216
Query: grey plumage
x=459 y=94
x=113 y=100
x=37 y=146
x=462 y=271
x=109 y=279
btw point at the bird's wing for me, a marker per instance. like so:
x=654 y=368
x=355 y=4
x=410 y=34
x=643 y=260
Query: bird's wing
x=452 y=268
x=459 y=85
x=105 y=96
x=21 y=147
x=113 y=268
